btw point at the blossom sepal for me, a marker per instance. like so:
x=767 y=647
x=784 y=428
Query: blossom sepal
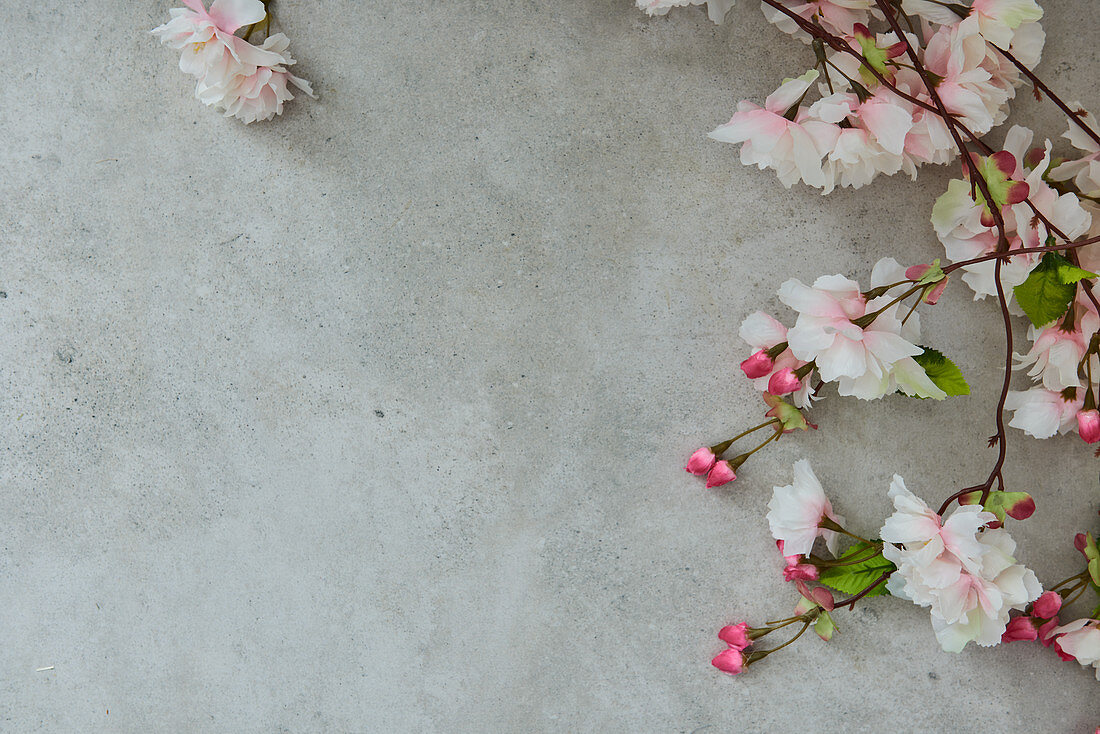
x=790 y=418
x=1017 y=505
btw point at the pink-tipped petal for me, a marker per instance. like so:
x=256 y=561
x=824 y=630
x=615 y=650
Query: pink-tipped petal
x=936 y=292
x=1021 y=510
x=897 y=50
x=1005 y=162
x=1017 y=192
x=916 y=272
x=824 y=597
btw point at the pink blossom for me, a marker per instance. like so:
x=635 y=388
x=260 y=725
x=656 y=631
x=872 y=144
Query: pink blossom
x=955 y=53
x=735 y=635
x=781 y=135
x=210 y=50
x=861 y=357
x=729 y=661
x=796 y=511
x=1056 y=353
x=1088 y=425
x=838 y=16
x=700 y=462
x=1047 y=605
x=1079 y=640
x=721 y=473
x=1042 y=413
x=970 y=579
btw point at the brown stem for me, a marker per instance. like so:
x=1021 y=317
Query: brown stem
x=1022 y=251
x=1073 y=115
x=851 y=601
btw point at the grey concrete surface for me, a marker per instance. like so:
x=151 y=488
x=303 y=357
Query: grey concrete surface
x=372 y=418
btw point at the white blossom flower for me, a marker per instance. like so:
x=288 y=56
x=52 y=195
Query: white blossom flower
x=860 y=358
x=1056 y=354
x=1084 y=171
x=966 y=575
x=781 y=135
x=716 y=9
x=956 y=54
x=255 y=93
x=796 y=511
x=999 y=19
x=210 y=51
x=1081 y=639
x=1041 y=413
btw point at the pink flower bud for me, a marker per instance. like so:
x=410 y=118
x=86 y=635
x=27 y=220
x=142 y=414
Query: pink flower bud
x=758 y=365
x=1047 y=605
x=1079 y=542
x=721 y=473
x=700 y=462
x=729 y=661
x=1045 y=629
x=796 y=570
x=735 y=635
x=784 y=382
x=1088 y=425
x=1019 y=629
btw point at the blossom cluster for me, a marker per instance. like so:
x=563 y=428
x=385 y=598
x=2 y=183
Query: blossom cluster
x=874 y=114
x=1046 y=200
x=1019 y=225
x=962 y=567
x=857 y=339
x=243 y=80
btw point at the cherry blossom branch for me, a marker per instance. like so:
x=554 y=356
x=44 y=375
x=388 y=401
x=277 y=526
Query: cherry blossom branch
x=1073 y=115
x=839 y=44
x=1022 y=251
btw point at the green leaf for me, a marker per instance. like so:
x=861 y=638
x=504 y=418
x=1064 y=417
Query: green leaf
x=943 y=373
x=1092 y=552
x=1044 y=296
x=858 y=576
x=1070 y=273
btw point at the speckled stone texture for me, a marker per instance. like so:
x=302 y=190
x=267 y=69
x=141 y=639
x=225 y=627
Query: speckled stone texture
x=373 y=418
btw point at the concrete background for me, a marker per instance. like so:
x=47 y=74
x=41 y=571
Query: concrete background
x=372 y=418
